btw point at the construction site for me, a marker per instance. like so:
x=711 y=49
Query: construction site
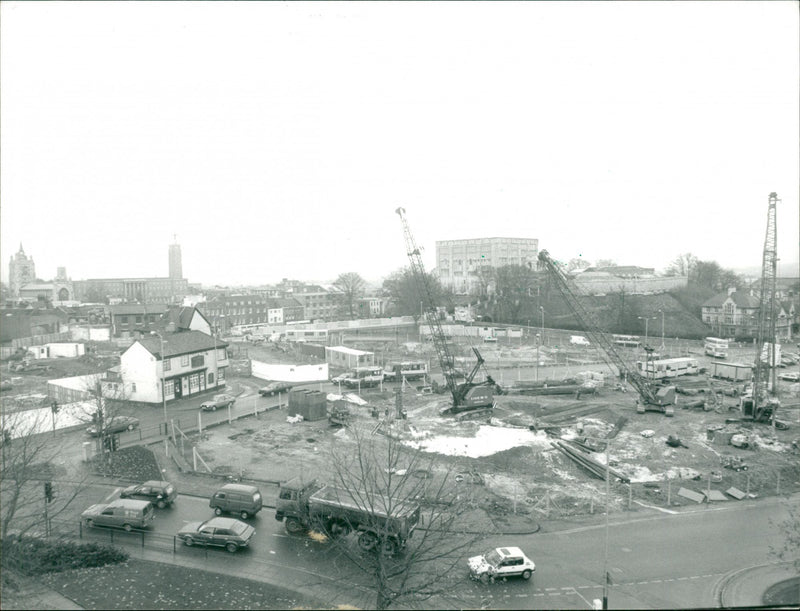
x=556 y=428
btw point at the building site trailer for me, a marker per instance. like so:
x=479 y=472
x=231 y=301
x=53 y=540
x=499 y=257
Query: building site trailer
x=668 y=368
x=738 y=372
x=379 y=520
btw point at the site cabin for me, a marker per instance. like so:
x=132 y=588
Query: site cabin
x=737 y=372
x=716 y=347
x=363 y=377
x=668 y=368
x=307 y=335
x=626 y=341
x=338 y=512
x=409 y=370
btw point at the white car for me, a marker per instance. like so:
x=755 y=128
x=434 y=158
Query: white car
x=500 y=563
x=789 y=376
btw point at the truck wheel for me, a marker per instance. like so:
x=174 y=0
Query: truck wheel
x=526 y=575
x=485 y=578
x=389 y=547
x=217 y=511
x=231 y=547
x=367 y=541
x=337 y=528
x=294 y=526
x=128 y=528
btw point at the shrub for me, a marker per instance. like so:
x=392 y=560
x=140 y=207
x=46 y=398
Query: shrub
x=34 y=556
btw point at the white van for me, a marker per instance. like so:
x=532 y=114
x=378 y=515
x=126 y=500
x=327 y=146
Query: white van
x=579 y=340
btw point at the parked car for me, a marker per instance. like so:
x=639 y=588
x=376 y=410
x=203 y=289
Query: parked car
x=161 y=494
x=115 y=424
x=490 y=339
x=223 y=532
x=273 y=388
x=789 y=376
x=500 y=563
x=221 y=401
x=122 y=513
x=340 y=378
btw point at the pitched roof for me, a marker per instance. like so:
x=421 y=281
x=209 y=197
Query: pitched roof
x=183 y=342
x=181 y=316
x=740 y=298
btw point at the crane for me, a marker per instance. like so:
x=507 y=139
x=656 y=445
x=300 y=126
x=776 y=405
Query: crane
x=660 y=400
x=468 y=396
x=759 y=405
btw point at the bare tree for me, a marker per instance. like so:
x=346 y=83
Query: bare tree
x=387 y=479
x=682 y=265
x=104 y=404
x=29 y=451
x=351 y=286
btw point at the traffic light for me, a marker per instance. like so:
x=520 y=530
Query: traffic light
x=48 y=491
x=54 y=406
x=114 y=443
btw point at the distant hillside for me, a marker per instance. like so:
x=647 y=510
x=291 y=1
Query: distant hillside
x=622 y=313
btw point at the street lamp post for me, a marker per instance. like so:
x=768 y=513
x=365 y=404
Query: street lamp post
x=646 y=319
x=542 y=310
x=662 y=331
x=163 y=383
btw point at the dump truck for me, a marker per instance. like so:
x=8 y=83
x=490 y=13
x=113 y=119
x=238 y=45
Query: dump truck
x=382 y=523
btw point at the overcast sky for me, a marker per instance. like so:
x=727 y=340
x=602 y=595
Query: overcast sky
x=276 y=139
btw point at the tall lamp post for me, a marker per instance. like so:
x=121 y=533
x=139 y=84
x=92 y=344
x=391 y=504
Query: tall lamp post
x=542 y=310
x=163 y=380
x=662 y=331
x=646 y=319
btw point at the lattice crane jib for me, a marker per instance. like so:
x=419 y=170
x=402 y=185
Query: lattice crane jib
x=570 y=292
x=767 y=314
x=429 y=306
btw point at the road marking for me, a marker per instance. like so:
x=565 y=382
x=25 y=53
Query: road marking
x=116 y=490
x=682 y=578
x=656 y=581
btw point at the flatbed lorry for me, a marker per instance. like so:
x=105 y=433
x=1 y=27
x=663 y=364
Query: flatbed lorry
x=381 y=522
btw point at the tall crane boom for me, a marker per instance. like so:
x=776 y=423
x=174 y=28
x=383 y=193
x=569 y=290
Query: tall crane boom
x=467 y=395
x=569 y=291
x=763 y=407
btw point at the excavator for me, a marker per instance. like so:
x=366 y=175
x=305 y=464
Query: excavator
x=471 y=399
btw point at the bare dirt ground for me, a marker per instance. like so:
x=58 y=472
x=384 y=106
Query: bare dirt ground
x=517 y=468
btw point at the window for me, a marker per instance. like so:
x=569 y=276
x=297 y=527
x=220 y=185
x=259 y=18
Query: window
x=221 y=376
x=167 y=364
x=222 y=353
x=198 y=360
x=170 y=387
x=133 y=386
x=185 y=360
x=138 y=319
x=210 y=378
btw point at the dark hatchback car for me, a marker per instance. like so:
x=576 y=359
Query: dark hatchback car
x=115 y=424
x=222 y=532
x=273 y=388
x=160 y=494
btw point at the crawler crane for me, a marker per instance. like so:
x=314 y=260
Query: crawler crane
x=470 y=399
x=660 y=400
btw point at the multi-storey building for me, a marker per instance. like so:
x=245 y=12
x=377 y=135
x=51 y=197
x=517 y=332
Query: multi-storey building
x=735 y=314
x=318 y=302
x=458 y=262
x=226 y=311
x=172 y=366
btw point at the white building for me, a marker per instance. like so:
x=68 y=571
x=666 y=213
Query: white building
x=458 y=261
x=188 y=363
x=348 y=358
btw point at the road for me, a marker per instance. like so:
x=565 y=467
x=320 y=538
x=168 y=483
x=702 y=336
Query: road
x=660 y=560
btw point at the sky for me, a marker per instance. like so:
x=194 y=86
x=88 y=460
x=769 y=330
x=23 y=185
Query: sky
x=275 y=140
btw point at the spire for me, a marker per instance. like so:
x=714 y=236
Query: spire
x=21 y=250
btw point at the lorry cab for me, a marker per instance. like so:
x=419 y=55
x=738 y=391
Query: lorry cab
x=293 y=497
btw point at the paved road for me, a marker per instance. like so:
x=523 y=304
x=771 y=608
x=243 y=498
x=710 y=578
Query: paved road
x=660 y=560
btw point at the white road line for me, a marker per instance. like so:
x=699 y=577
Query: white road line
x=108 y=498
x=682 y=578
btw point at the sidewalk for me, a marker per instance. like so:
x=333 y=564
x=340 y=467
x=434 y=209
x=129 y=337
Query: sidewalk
x=746 y=587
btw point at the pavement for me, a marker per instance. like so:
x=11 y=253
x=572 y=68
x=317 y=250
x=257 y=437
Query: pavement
x=742 y=588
